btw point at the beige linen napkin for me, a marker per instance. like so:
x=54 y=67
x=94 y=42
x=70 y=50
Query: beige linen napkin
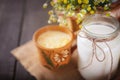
x=28 y=56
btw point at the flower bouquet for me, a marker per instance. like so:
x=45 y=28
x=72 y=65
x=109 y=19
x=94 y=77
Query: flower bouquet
x=70 y=13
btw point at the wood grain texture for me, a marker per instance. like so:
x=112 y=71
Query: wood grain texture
x=10 y=20
x=34 y=17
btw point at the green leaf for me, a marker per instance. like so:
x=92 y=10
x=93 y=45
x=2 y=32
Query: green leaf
x=47 y=59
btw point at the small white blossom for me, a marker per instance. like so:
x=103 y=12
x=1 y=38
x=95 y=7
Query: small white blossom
x=45 y=5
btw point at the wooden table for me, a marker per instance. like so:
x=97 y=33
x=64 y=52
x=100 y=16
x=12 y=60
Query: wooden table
x=18 y=21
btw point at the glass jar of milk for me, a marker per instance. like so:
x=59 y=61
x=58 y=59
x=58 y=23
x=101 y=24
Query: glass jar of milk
x=98 y=44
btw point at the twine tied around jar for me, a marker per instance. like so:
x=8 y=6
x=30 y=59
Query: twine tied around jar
x=94 y=53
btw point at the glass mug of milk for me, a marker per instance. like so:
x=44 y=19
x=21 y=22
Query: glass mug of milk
x=54 y=45
x=98 y=44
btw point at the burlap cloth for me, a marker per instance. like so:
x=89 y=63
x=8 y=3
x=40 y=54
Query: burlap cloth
x=28 y=56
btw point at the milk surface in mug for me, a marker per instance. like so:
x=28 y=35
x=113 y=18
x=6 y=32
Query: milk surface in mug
x=53 y=39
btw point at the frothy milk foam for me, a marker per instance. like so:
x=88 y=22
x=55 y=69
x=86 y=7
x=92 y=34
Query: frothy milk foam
x=53 y=39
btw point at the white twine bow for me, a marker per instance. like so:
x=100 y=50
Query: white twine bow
x=94 y=53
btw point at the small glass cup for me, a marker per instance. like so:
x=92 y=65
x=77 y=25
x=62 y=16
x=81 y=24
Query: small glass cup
x=54 y=58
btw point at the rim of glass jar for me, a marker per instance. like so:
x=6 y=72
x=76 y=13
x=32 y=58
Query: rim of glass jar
x=108 y=36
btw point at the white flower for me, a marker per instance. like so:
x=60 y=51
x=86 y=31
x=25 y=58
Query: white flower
x=60 y=57
x=45 y=5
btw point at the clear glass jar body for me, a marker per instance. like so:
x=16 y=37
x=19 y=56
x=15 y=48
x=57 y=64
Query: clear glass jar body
x=98 y=45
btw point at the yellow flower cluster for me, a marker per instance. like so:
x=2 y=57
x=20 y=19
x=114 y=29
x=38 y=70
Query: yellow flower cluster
x=75 y=8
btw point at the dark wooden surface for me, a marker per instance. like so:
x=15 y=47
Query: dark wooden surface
x=18 y=20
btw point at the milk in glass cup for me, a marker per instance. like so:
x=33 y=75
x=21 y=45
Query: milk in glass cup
x=98 y=45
